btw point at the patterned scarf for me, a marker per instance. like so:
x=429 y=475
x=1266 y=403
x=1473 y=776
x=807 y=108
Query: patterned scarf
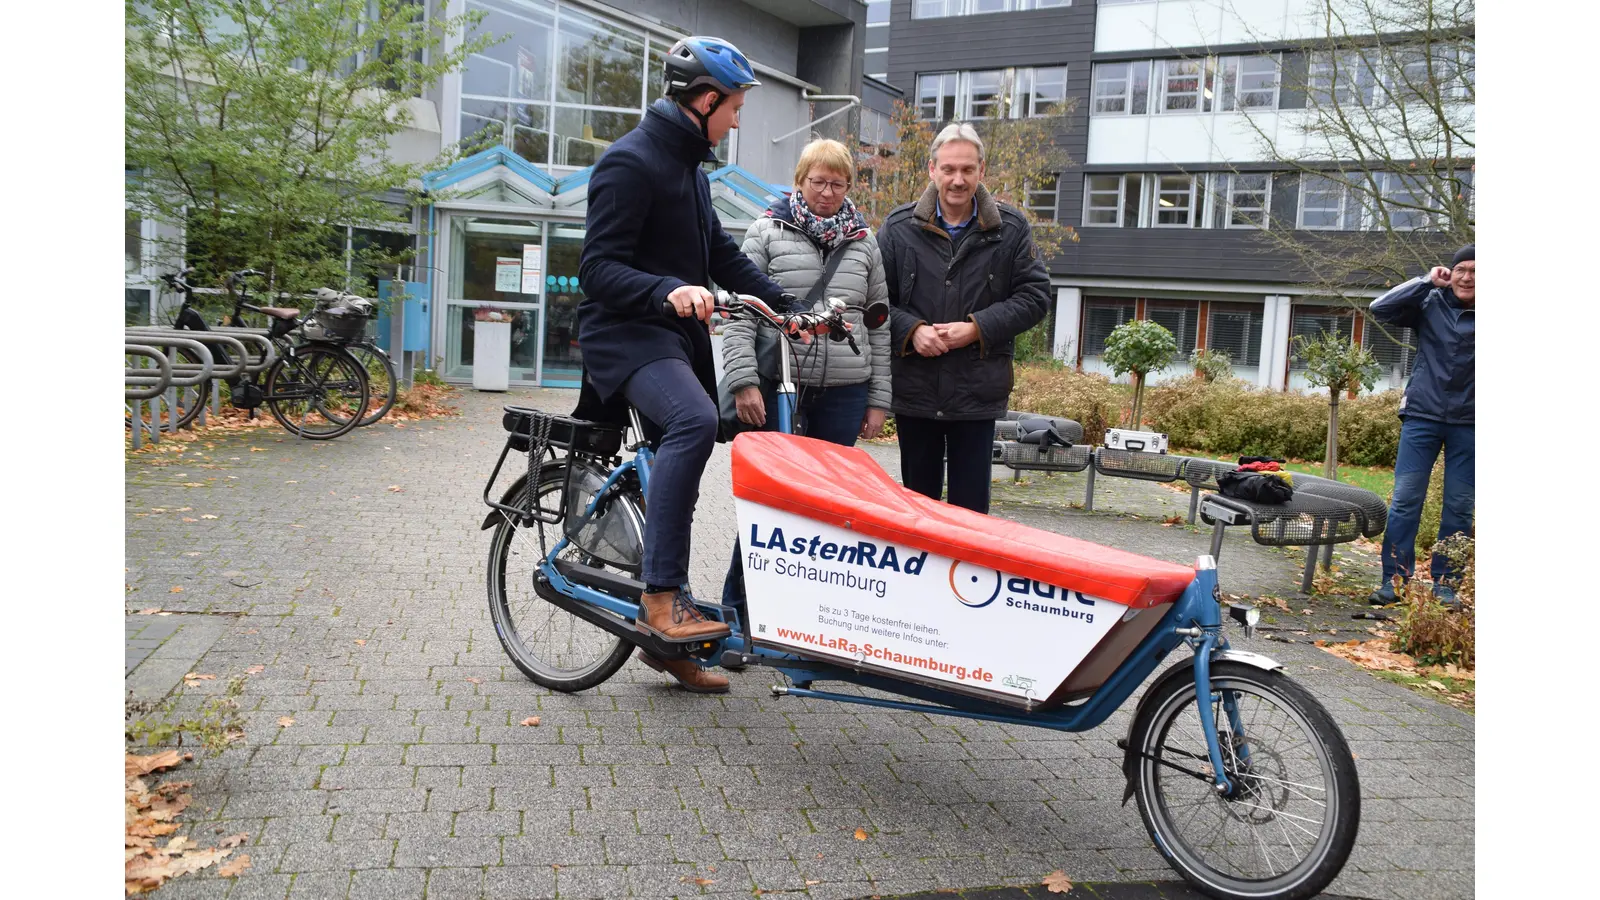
x=845 y=225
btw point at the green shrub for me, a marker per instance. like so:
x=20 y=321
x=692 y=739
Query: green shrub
x=1232 y=418
x=1211 y=364
x=1032 y=347
x=1090 y=400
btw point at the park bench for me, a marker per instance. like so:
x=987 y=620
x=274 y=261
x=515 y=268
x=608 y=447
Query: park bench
x=1321 y=513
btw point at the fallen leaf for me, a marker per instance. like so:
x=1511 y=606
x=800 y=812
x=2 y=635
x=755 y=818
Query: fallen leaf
x=1056 y=882
x=135 y=766
x=395 y=489
x=1438 y=686
x=811 y=881
x=361 y=642
x=233 y=869
x=285 y=721
x=697 y=880
x=251 y=631
x=475 y=680
x=232 y=840
x=254 y=670
x=861 y=834
x=150 y=612
x=530 y=721
x=187 y=519
x=207 y=516
x=1305 y=612
x=175 y=589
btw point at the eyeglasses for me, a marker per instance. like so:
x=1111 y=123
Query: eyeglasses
x=823 y=185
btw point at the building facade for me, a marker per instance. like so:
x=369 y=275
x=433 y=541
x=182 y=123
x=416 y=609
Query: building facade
x=1172 y=184
x=504 y=226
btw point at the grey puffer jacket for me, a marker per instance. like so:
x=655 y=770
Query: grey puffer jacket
x=788 y=256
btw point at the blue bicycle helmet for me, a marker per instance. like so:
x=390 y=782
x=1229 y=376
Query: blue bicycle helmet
x=707 y=62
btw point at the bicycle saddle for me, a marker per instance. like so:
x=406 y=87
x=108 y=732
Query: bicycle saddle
x=280 y=312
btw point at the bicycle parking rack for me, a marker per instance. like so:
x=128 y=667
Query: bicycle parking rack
x=1321 y=514
x=159 y=386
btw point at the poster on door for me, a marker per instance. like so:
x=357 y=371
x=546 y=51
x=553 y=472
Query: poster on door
x=507 y=272
x=532 y=269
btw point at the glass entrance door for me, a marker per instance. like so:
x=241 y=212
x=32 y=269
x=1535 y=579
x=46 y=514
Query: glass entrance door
x=495 y=264
x=563 y=364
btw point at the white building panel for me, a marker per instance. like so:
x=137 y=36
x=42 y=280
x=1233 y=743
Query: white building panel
x=1165 y=24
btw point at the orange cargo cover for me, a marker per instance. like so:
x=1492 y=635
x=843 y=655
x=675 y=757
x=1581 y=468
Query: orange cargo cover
x=846 y=488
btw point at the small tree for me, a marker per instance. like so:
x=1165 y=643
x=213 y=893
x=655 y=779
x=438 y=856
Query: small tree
x=260 y=130
x=1210 y=364
x=1338 y=364
x=1139 y=347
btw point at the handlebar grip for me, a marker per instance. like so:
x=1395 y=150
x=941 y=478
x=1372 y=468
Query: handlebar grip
x=668 y=309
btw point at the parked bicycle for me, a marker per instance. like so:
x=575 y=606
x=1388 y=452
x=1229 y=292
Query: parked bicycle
x=1242 y=778
x=316 y=389
x=341 y=318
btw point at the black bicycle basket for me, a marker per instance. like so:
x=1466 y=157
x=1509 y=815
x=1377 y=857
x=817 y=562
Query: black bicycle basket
x=601 y=531
x=337 y=324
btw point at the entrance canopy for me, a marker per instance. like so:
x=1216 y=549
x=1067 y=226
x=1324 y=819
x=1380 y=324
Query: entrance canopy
x=498 y=179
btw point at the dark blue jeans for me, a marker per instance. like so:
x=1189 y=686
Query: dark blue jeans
x=926 y=445
x=1420 y=442
x=827 y=414
x=668 y=394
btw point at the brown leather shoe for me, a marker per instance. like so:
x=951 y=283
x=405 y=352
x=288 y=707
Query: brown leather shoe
x=672 y=616
x=689 y=676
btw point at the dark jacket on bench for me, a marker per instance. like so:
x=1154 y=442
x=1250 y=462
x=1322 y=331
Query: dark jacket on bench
x=1441 y=386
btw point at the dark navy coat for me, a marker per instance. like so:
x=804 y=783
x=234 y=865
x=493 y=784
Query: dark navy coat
x=652 y=229
x=1445 y=332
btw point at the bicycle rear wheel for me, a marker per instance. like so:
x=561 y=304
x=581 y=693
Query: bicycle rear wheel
x=550 y=645
x=1291 y=821
x=381 y=379
x=318 y=393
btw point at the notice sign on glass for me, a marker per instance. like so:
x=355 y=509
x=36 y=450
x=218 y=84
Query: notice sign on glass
x=507 y=274
x=532 y=269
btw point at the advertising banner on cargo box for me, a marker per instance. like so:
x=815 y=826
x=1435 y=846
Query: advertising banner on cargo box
x=835 y=594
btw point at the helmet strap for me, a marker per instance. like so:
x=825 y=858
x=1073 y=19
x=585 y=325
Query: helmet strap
x=704 y=118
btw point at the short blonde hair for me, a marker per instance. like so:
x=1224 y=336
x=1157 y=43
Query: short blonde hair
x=828 y=154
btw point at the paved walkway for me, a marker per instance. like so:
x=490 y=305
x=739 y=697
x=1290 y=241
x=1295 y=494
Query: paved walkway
x=353 y=571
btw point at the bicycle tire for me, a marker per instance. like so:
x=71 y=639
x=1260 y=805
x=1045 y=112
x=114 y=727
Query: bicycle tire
x=191 y=400
x=324 y=385
x=1261 y=802
x=382 y=379
x=514 y=553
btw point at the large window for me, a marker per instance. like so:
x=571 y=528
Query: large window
x=1311 y=322
x=1121 y=89
x=1245 y=199
x=1249 y=82
x=1180 y=318
x=560 y=86
x=1236 y=329
x=1394 y=348
x=1042 y=199
x=1325 y=205
x=1175 y=204
x=937 y=96
x=1185 y=85
x=1100 y=317
x=1347 y=78
x=980 y=94
x=1112 y=200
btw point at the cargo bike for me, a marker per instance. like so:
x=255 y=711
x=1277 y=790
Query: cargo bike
x=1241 y=777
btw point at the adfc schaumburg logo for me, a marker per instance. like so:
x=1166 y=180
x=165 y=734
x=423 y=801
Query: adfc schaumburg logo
x=974 y=586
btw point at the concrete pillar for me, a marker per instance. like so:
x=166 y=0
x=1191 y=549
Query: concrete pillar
x=1064 y=344
x=1273 y=373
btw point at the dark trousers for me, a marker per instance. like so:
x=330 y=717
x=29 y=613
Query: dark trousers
x=668 y=394
x=827 y=414
x=925 y=444
x=1420 y=443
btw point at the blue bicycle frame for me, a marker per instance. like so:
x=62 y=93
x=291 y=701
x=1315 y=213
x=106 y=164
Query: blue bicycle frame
x=1195 y=618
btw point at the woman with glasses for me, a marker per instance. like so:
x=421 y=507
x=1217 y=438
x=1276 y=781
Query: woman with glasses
x=841 y=396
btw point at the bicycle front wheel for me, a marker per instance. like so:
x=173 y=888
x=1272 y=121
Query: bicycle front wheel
x=381 y=379
x=1288 y=827
x=318 y=393
x=550 y=645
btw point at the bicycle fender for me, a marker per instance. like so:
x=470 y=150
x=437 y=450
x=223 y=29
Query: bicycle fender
x=495 y=516
x=1260 y=661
